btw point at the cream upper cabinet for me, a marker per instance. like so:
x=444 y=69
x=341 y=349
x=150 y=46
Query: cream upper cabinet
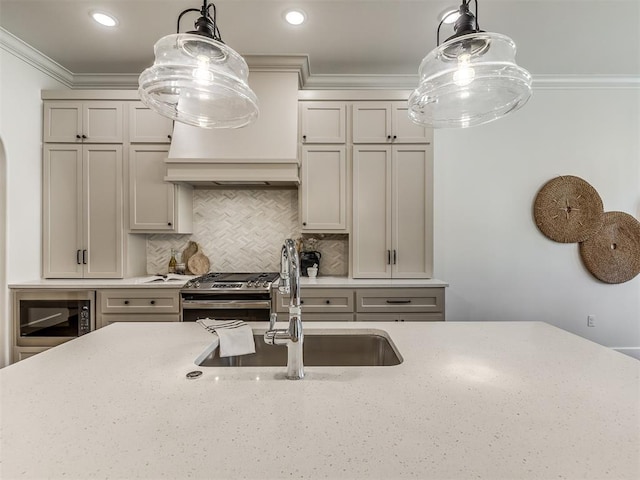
x=83 y=211
x=392 y=211
x=323 y=192
x=156 y=205
x=147 y=126
x=83 y=122
x=386 y=122
x=323 y=122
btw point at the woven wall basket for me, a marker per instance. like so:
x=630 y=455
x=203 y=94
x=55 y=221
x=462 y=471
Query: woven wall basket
x=613 y=253
x=567 y=209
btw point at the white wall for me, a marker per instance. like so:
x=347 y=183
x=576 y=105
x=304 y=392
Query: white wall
x=487 y=246
x=21 y=134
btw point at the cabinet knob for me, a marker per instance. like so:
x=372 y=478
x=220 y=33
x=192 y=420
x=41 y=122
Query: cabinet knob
x=327 y=302
x=78 y=136
x=388 y=137
x=84 y=136
x=304 y=224
x=304 y=138
x=301 y=302
x=152 y=302
x=169 y=223
x=395 y=136
x=126 y=302
x=169 y=137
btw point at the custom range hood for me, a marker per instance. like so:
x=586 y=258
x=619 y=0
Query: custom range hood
x=264 y=153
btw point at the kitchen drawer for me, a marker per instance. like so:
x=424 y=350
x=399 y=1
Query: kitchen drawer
x=400 y=317
x=319 y=300
x=104 y=320
x=137 y=301
x=400 y=300
x=319 y=317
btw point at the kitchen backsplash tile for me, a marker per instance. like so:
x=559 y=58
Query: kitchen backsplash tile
x=242 y=230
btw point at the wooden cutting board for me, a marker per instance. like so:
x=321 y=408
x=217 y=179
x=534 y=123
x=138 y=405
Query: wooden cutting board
x=198 y=264
x=191 y=249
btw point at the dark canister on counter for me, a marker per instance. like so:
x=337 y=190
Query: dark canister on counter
x=308 y=259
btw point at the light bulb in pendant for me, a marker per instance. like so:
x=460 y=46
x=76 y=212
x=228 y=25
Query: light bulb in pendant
x=465 y=74
x=201 y=73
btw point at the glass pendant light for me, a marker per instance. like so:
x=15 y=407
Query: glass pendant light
x=470 y=79
x=197 y=79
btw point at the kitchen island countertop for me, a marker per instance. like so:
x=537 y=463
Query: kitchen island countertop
x=490 y=400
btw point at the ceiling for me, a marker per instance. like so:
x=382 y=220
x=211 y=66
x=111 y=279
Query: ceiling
x=345 y=37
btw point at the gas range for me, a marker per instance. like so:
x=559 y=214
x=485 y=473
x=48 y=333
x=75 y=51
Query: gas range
x=219 y=283
x=240 y=296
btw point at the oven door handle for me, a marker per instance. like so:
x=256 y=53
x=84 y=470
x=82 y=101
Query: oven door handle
x=225 y=304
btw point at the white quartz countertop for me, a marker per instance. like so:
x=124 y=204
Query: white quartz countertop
x=337 y=282
x=494 y=400
x=177 y=281
x=148 y=281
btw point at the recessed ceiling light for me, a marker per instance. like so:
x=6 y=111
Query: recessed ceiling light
x=294 y=17
x=104 y=19
x=450 y=15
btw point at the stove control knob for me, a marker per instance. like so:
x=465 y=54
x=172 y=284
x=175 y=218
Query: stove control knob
x=263 y=284
x=250 y=283
x=196 y=284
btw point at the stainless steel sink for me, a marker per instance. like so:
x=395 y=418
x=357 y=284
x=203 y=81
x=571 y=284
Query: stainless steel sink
x=344 y=349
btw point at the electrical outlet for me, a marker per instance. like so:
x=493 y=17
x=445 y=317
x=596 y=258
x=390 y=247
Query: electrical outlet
x=591 y=320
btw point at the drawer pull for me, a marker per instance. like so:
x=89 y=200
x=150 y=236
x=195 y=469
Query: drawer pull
x=398 y=302
x=126 y=302
x=152 y=302
x=328 y=302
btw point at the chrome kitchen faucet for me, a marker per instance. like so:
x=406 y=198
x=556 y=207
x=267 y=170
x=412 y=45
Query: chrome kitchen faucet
x=292 y=337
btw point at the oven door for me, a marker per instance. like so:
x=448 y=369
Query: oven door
x=195 y=307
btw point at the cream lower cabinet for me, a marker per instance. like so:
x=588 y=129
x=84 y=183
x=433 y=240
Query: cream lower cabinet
x=413 y=304
x=137 y=305
x=82 y=211
x=392 y=211
x=319 y=304
x=156 y=206
x=398 y=304
x=323 y=192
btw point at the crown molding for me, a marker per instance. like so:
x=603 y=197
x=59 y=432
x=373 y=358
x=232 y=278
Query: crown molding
x=297 y=62
x=25 y=52
x=543 y=82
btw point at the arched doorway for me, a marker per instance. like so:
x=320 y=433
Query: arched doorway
x=4 y=291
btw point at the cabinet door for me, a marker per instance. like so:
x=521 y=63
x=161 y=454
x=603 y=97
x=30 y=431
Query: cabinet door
x=371 y=211
x=102 y=122
x=147 y=126
x=62 y=122
x=372 y=122
x=102 y=211
x=151 y=199
x=62 y=212
x=323 y=122
x=324 y=188
x=404 y=129
x=412 y=201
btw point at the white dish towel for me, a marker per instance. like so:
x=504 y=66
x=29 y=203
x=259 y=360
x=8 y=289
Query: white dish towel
x=235 y=336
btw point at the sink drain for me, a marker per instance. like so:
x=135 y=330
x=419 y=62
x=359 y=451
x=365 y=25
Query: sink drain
x=194 y=374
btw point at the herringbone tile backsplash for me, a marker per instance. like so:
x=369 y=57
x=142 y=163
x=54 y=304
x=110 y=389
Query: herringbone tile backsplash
x=242 y=230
